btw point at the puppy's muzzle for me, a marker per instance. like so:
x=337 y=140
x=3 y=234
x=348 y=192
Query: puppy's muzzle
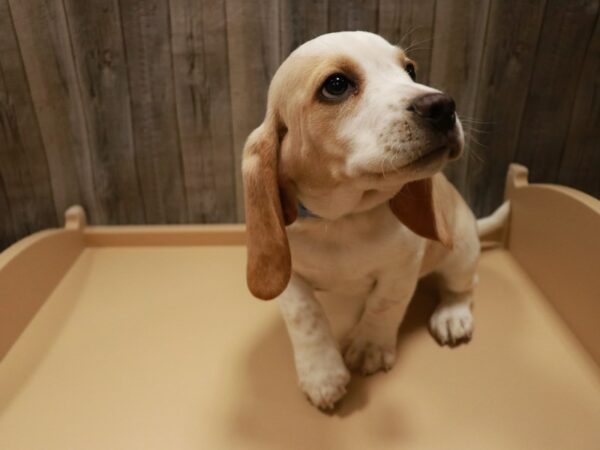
x=438 y=110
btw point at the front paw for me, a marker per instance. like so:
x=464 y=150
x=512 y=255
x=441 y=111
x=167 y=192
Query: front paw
x=367 y=352
x=452 y=324
x=323 y=377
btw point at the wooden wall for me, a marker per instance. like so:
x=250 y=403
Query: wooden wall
x=138 y=109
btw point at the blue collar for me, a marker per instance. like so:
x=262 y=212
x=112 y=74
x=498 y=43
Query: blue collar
x=305 y=213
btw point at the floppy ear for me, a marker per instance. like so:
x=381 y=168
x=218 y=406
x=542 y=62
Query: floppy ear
x=270 y=205
x=426 y=207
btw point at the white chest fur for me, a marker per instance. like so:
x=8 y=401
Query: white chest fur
x=348 y=255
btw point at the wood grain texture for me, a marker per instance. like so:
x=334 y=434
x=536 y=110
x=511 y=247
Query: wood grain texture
x=146 y=30
x=409 y=24
x=139 y=109
x=507 y=64
x=300 y=22
x=567 y=28
x=41 y=27
x=580 y=162
x=26 y=194
x=199 y=45
x=353 y=15
x=7 y=232
x=254 y=56
x=97 y=41
x=458 y=43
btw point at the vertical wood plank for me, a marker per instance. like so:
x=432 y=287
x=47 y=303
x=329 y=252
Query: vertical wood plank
x=300 y=22
x=409 y=24
x=43 y=36
x=567 y=28
x=139 y=109
x=26 y=190
x=459 y=38
x=97 y=41
x=254 y=55
x=353 y=15
x=199 y=45
x=580 y=162
x=506 y=67
x=7 y=232
x=146 y=30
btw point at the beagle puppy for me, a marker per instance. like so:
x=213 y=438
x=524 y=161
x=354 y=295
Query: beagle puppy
x=343 y=192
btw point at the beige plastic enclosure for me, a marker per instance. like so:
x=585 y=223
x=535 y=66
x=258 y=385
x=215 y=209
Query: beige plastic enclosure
x=146 y=338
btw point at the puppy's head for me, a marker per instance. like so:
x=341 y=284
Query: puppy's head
x=347 y=127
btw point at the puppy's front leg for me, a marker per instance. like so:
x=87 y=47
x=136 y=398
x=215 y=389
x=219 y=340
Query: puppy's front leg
x=322 y=374
x=371 y=345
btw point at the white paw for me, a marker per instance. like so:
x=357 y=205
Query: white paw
x=323 y=377
x=452 y=324
x=366 y=352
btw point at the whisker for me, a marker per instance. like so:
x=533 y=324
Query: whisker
x=474 y=155
x=390 y=160
x=469 y=129
x=414 y=50
x=474 y=120
x=417 y=47
x=408 y=33
x=413 y=45
x=471 y=137
x=382 y=165
x=393 y=163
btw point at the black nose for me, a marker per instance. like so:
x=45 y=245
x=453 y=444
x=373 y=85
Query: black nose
x=437 y=109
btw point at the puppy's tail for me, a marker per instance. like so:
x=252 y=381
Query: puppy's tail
x=495 y=221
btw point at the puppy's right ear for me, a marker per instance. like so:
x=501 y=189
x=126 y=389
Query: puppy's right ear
x=269 y=207
x=426 y=207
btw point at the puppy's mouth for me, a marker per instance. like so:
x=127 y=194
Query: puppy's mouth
x=431 y=158
x=428 y=161
x=451 y=149
x=427 y=158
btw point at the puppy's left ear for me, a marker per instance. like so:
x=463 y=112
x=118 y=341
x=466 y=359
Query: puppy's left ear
x=426 y=207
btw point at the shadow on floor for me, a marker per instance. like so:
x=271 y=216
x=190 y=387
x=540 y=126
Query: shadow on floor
x=275 y=412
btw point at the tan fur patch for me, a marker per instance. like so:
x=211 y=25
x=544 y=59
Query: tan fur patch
x=427 y=208
x=269 y=260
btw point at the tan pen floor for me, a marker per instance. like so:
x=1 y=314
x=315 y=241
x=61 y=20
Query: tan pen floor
x=163 y=348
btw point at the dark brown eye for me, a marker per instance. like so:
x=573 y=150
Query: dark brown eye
x=410 y=70
x=336 y=87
